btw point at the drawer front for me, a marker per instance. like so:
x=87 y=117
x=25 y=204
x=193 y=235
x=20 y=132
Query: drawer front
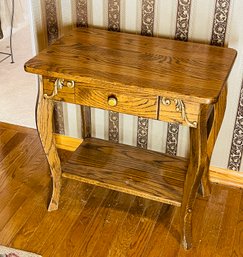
x=64 y=93
x=178 y=111
x=139 y=105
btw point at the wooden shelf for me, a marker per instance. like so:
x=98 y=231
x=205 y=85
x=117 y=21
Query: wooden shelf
x=128 y=169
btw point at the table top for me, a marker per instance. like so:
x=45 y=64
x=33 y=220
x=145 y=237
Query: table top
x=134 y=63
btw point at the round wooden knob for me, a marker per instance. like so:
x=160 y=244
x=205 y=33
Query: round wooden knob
x=112 y=100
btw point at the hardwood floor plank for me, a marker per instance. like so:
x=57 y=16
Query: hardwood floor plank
x=79 y=228
x=5 y=136
x=171 y=245
x=57 y=221
x=98 y=222
x=229 y=223
x=17 y=128
x=87 y=243
x=22 y=188
x=144 y=229
x=237 y=250
x=18 y=220
x=20 y=240
x=114 y=219
x=38 y=216
x=212 y=222
x=23 y=171
x=72 y=214
x=160 y=231
x=1 y=131
x=12 y=143
x=17 y=158
x=127 y=229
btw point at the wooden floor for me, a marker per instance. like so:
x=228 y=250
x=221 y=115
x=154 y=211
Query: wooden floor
x=97 y=222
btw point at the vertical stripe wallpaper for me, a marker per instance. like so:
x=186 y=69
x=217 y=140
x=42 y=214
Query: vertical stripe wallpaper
x=114 y=15
x=147 y=24
x=52 y=34
x=206 y=21
x=181 y=33
x=147 y=17
x=236 y=150
x=182 y=19
x=114 y=25
x=81 y=13
x=51 y=20
x=220 y=22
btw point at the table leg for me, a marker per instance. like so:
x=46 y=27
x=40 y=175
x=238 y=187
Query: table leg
x=44 y=120
x=218 y=115
x=198 y=160
x=86 y=121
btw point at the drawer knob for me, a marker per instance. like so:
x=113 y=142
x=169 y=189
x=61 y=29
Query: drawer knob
x=112 y=101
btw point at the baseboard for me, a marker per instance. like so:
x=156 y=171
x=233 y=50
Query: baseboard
x=67 y=143
x=216 y=175
x=226 y=177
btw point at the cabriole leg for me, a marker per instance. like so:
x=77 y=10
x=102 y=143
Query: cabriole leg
x=219 y=110
x=197 y=162
x=44 y=118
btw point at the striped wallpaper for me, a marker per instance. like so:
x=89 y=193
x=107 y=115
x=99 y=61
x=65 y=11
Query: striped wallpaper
x=207 y=21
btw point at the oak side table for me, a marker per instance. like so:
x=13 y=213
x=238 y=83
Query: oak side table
x=151 y=77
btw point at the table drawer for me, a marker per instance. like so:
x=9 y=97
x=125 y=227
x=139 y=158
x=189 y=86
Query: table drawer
x=176 y=110
x=139 y=105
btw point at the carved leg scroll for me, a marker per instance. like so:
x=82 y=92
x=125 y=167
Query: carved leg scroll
x=198 y=160
x=219 y=110
x=44 y=119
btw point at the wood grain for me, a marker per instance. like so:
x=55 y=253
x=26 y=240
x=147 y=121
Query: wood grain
x=110 y=60
x=65 y=94
x=66 y=142
x=63 y=223
x=126 y=103
x=218 y=115
x=226 y=177
x=86 y=121
x=216 y=175
x=169 y=113
x=136 y=72
x=88 y=240
x=44 y=120
x=83 y=223
x=197 y=162
x=128 y=169
x=127 y=230
x=112 y=221
x=237 y=248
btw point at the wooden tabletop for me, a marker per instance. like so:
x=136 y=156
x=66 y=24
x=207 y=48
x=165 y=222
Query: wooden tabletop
x=111 y=60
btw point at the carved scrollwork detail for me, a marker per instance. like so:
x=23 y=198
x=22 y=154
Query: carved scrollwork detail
x=180 y=107
x=59 y=84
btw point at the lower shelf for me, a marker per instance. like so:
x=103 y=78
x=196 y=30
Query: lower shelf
x=128 y=169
